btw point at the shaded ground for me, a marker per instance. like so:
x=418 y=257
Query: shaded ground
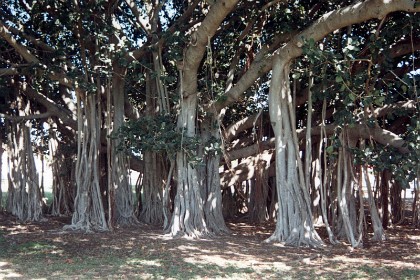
x=44 y=250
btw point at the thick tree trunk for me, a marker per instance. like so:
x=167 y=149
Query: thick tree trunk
x=152 y=198
x=124 y=198
x=396 y=202
x=152 y=189
x=385 y=178
x=88 y=209
x=62 y=172
x=294 y=221
x=210 y=178
x=188 y=217
x=346 y=201
x=257 y=210
x=24 y=196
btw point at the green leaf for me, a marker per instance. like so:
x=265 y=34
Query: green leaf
x=330 y=149
x=379 y=101
x=339 y=79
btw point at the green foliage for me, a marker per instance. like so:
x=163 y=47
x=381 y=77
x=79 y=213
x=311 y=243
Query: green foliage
x=156 y=134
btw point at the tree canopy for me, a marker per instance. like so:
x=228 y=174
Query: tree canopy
x=293 y=111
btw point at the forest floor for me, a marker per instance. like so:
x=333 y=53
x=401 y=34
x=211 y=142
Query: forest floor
x=43 y=250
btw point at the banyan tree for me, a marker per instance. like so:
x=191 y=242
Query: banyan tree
x=301 y=113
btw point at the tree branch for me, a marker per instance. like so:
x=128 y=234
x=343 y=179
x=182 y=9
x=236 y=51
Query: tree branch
x=24 y=118
x=23 y=51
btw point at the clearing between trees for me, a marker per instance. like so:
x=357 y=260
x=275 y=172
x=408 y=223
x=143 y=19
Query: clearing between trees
x=43 y=250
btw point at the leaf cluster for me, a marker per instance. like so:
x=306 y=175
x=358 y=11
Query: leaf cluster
x=155 y=134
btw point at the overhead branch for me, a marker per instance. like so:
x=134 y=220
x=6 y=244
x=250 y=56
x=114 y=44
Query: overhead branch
x=378 y=134
x=246 y=170
x=390 y=108
x=136 y=54
x=141 y=19
x=31 y=39
x=261 y=65
x=250 y=150
x=9 y=71
x=346 y=16
x=233 y=130
x=53 y=109
x=356 y=13
x=23 y=51
x=199 y=41
x=27 y=117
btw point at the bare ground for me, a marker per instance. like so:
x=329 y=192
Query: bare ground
x=43 y=250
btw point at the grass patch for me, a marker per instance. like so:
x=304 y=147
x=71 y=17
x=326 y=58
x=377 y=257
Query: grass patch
x=2 y=238
x=48 y=260
x=35 y=248
x=410 y=274
x=44 y=250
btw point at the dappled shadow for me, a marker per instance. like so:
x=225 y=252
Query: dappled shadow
x=144 y=252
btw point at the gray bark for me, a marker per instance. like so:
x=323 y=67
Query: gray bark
x=294 y=220
x=188 y=216
x=24 y=196
x=119 y=162
x=88 y=213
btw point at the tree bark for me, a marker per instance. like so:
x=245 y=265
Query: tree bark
x=89 y=214
x=378 y=231
x=24 y=196
x=294 y=220
x=124 y=199
x=62 y=172
x=188 y=216
x=210 y=178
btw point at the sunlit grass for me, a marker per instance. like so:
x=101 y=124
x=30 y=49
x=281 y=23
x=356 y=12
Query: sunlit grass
x=45 y=262
x=50 y=259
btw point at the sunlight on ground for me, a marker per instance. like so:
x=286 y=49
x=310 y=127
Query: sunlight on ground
x=372 y=262
x=143 y=262
x=6 y=271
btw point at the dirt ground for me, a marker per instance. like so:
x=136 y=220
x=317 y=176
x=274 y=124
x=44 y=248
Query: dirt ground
x=43 y=250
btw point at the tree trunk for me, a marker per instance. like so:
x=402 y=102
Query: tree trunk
x=152 y=196
x=345 y=198
x=386 y=177
x=24 y=197
x=62 y=172
x=294 y=221
x=396 y=202
x=378 y=231
x=124 y=198
x=88 y=208
x=1 y=171
x=188 y=216
x=416 y=201
x=257 y=210
x=210 y=178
